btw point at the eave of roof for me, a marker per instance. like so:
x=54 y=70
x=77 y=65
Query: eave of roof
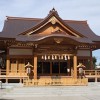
x=23 y=18
x=39 y=37
x=6 y=38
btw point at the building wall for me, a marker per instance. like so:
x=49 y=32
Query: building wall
x=83 y=53
x=13 y=51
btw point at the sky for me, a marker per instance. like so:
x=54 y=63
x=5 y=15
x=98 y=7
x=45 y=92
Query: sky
x=67 y=9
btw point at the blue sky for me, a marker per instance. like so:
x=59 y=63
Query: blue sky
x=67 y=9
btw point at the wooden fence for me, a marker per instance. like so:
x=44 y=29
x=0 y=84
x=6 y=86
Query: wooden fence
x=22 y=75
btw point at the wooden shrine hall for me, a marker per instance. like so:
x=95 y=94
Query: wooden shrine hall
x=46 y=51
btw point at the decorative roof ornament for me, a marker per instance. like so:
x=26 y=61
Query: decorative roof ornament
x=81 y=65
x=53 y=11
x=28 y=65
x=58 y=40
x=53 y=20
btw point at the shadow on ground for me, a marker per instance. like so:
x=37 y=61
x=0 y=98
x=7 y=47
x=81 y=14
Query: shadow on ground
x=2 y=88
x=6 y=99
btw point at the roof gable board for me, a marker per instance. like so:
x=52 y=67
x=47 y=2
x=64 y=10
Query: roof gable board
x=53 y=19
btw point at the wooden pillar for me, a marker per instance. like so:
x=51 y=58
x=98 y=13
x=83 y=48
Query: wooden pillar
x=7 y=66
x=75 y=66
x=35 y=66
x=91 y=60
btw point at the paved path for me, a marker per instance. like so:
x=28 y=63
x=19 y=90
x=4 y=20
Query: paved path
x=90 y=92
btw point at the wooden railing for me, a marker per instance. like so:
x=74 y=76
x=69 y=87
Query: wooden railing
x=18 y=72
x=2 y=72
x=22 y=75
x=92 y=72
x=23 y=72
x=88 y=73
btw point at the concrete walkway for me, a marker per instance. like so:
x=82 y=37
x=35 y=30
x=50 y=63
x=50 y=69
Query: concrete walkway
x=18 y=92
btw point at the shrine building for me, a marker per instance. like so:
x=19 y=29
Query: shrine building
x=52 y=47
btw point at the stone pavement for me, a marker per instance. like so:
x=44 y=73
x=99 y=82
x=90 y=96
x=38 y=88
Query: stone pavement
x=18 y=92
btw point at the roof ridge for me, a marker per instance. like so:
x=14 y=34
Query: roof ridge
x=25 y=18
x=22 y=18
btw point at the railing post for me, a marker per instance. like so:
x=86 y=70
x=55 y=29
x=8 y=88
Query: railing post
x=20 y=73
x=6 y=80
x=0 y=71
x=0 y=74
x=1 y=84
x=20 y=80
x=84 y=72
x=96 y=79
x=95 y=72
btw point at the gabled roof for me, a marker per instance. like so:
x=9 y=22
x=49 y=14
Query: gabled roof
x=14 y=26
x=53 y=18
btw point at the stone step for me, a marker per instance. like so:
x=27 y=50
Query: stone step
x=45 y=92
x=53 y=91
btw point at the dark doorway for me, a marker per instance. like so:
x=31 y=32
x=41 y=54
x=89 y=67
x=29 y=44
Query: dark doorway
x=46 y=67
x=55 y=67
x=39 y=68
x=63 y=67
x=43 y=68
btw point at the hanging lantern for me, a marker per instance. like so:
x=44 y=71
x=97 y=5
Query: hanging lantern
x=48 y=57
x=65 y=57
x=52 y=57
x=42 y=57
x=68 y=57
x=61 y=57
x=45 y=57
x=55 y=57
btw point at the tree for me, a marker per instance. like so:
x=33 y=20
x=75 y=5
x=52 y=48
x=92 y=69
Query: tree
x=94 y=61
